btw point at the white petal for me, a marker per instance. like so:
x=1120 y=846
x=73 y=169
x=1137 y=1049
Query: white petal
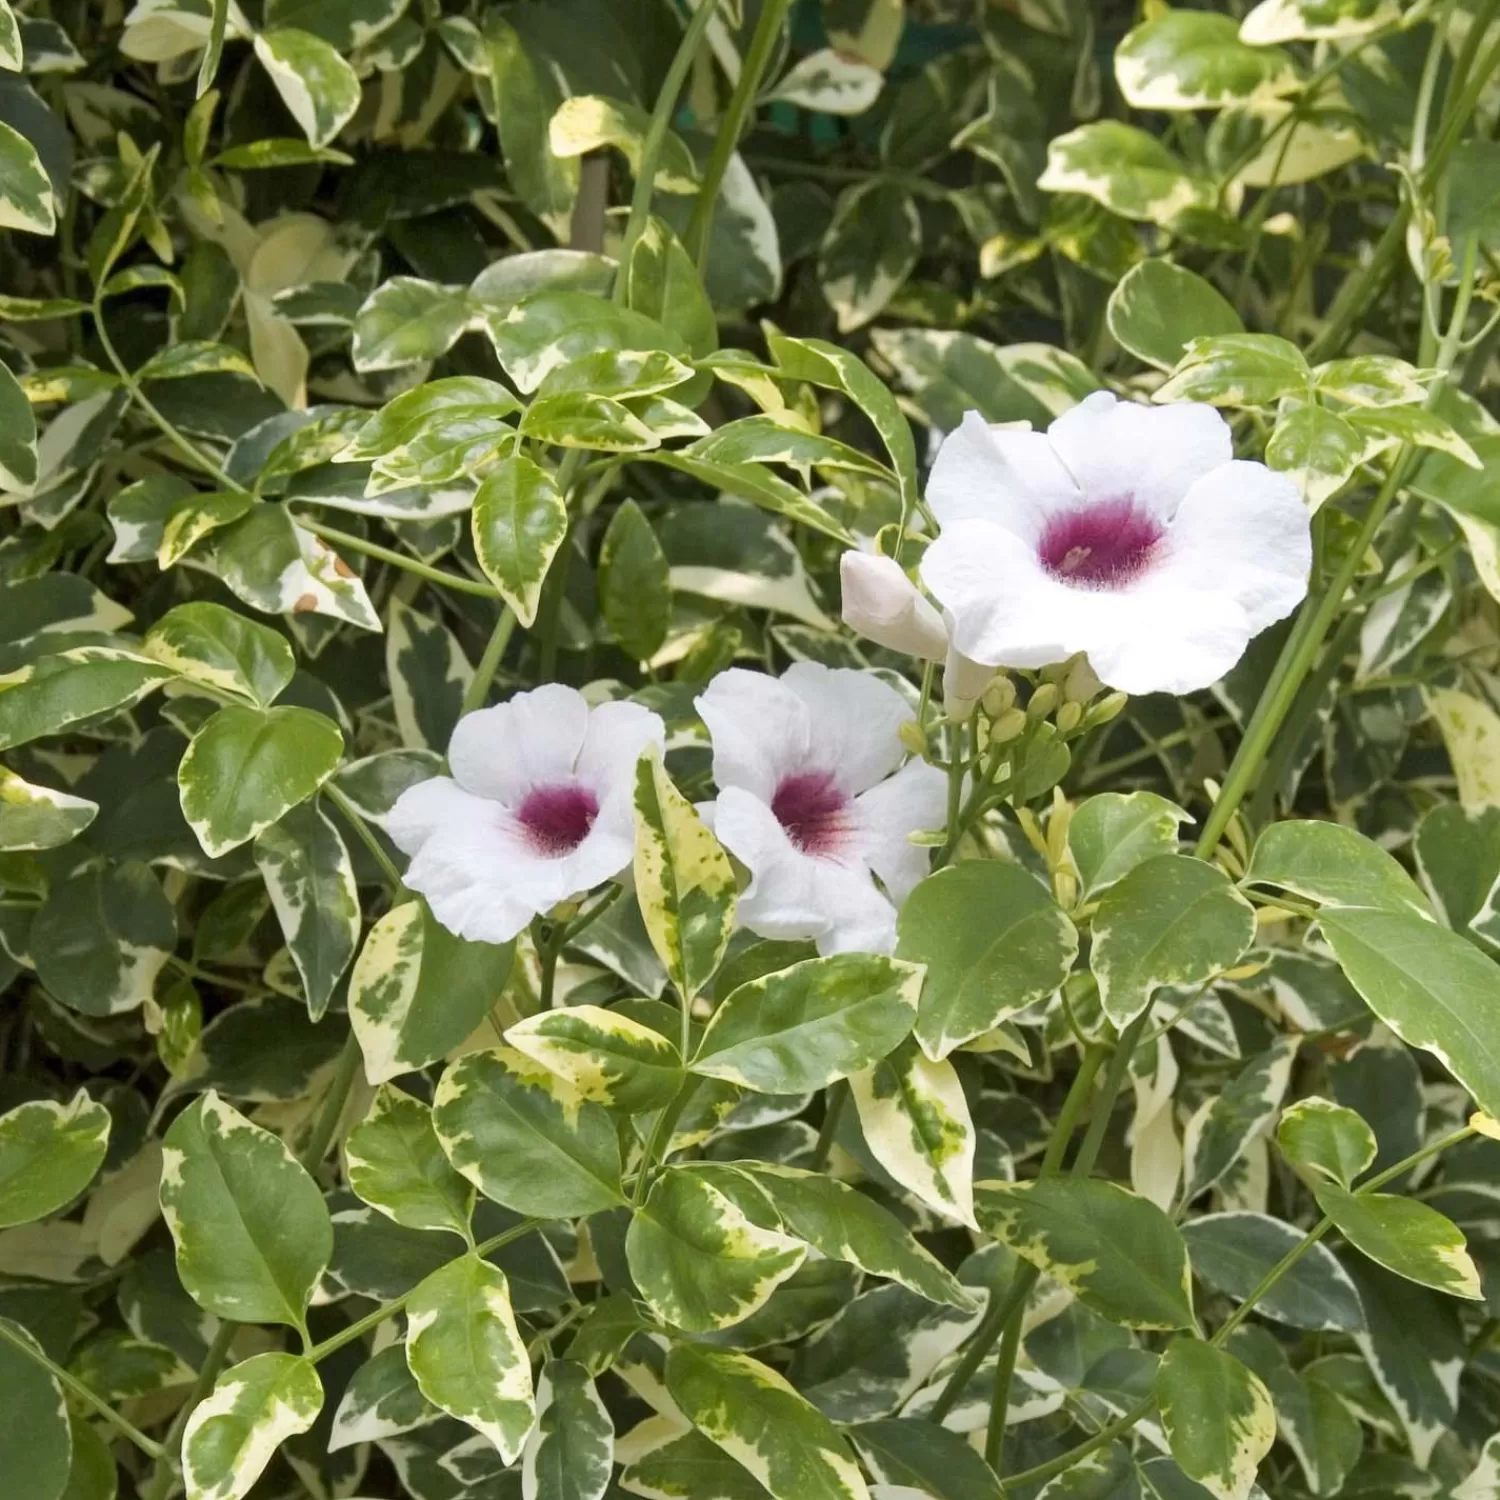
x=916 y=797
x=1008 y=476
x=1154 y=454
x=1243 y=529
x=963 y=680
x=855 y=721
x=617 y=733
x=429 y=805
x=1007 y=611
x=533 y=739
x=882 y=604
x=602 y=855
x=860 y=919
x=781 y=900
x=1166 y=640
x=759 y=729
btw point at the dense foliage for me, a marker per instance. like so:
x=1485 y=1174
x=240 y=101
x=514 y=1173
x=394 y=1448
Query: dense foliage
x=749 y=749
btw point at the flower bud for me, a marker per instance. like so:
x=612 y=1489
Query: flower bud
x=1010 y=724
x=998 y=696
x=1069 y=717
x=913 y=736
x=1081 y=683
x=1107 y=708
x=882 y=604
x=1043 y=701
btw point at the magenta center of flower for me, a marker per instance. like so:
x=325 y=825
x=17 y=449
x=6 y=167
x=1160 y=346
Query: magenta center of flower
x=557 y=818
x=811 y=808
x=1102 y=546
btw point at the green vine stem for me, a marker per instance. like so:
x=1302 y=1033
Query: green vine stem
x=656 y=134
x=741 y=102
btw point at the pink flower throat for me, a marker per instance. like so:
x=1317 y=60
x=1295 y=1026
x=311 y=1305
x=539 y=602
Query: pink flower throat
x=1101 y=546
x=557 y=818
x=811 y=808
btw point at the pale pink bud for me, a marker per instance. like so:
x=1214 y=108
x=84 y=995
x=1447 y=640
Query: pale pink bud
x=882 y=604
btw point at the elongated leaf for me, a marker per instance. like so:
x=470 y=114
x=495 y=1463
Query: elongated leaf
x=1119 y=1253
x=761 y=1422
x=1326 y=1138
x=570 y=1453
x=212 y=645
x=467 y=1355
x=810 y=1025
x=1172 y=920
x=1217 y=1415
x=58 y=691
x=382 y=1400
x=993 y=942
x=35 y=1445
x=606 y=1055
x=1218 y=1134
x=1113 y=832
x=1405 y=1236
x=525 y=1138
x=1334 y=866
x=252 y=1232
x=235 y=1430
x=48 y=1155
x=395 y=1162
x=699 y=1262
x=315 y=83
x=520 y=520
x=417 y=990
x=246 y=768
x=683 y=878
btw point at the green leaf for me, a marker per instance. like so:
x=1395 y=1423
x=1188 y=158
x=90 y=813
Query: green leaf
x=687 y=1466
x=246 y=768
x=925 y=1457
x=37 y=817
x=1217 y=1416
x=439 y=431
x=604 y=1054
x=1238 y=369
x=993 y=942
x=395 y=1162
x=25 y=189
x=209 y=644
x=580 y=419
x=310 y=878
x=417 y=991
x=820 y=363
x=550 y=328
x=407 y=321
x=252 y=1233
x=1433 y=988
x=235 y=1430
x=1221 y=1130
x=91 y=1474
x=1326 y=1139
x=916 y=1122
x=684 y=881
x=103 y=935
x=381 y=1400
x=1316 y=449
x=635 y=585
x=868 y=251
x=429 y=676
x=662 y=282
x=18 y=471
x=1170 y=921
x=1117 y=1252
x=699 y=1262
x=1159 y=308
x=759 y=487
x=842 y=1223
x=195 y=357
x=58 y=691
x=196 y=518
x=258 y=156
x=1405 y=1236
x=1111 y=833
x=520 y=521
x=588 y=122
x=1190 y=59
x=35 y=1444
x=10 y=40
x=48 y=1155
x=467 y=1355
x=810 y=1025
x=769 y=439
x=570 y=1453
x=761 y=1422
x=315 y=83
x=1129 y=171
x=525 y=1138
x=1233 y=1252
x=1332 y=865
